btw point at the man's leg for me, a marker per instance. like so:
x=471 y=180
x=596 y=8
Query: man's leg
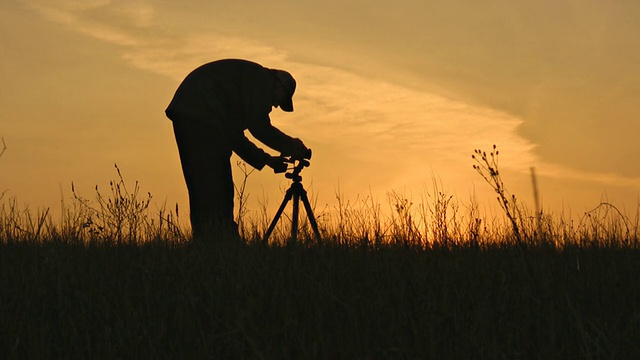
x=207 y=172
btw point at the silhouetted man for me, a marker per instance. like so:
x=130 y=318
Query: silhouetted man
x=210 y=111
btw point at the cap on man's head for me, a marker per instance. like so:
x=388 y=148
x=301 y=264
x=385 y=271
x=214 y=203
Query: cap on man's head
x=289 y=84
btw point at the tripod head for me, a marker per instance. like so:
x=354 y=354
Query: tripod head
x=298 y=165
x=295 y=172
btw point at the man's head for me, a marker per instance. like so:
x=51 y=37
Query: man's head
x=284 y=88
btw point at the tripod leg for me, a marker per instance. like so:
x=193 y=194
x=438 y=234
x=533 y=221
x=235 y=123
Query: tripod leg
x=287 y=197
x=294 y=217
x=312 y=218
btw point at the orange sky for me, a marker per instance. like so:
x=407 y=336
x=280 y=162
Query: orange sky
x=388 y=97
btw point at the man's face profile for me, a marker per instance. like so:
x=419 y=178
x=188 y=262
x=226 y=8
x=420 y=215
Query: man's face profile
x=280 y=95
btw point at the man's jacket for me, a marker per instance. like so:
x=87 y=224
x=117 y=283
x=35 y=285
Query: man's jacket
x=233 y=95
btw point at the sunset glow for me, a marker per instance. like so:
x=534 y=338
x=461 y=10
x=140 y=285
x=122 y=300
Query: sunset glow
x=389 y=97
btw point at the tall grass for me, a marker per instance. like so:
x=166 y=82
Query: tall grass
x=114 y=277
x=122 y=216
x=125 y=214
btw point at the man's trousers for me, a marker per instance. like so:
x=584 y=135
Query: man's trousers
x=205 y=154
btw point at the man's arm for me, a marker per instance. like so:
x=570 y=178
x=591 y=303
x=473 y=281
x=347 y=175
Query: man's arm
x=276 y=139
x=250 y=153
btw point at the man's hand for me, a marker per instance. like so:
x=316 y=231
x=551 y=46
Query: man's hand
x=299 y=151
x=277 y=163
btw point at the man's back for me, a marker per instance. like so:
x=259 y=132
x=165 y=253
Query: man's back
x=237 y=92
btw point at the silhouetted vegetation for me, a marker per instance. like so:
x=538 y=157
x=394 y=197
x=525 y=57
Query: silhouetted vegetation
x=111 y=279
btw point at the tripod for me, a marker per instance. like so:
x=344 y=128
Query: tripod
x=297 y=193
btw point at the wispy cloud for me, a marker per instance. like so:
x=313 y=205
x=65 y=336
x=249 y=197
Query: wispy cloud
x=173 y=57
x=102 y=19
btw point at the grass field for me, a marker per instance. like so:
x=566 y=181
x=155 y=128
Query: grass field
x=109 y=279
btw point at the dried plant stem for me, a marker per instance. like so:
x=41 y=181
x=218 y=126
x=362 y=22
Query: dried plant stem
x=4 y=147
x=487 y=167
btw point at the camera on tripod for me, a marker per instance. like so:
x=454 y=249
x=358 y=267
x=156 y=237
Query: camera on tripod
x=305 y=156
x=301 y=164
x=297 y=193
